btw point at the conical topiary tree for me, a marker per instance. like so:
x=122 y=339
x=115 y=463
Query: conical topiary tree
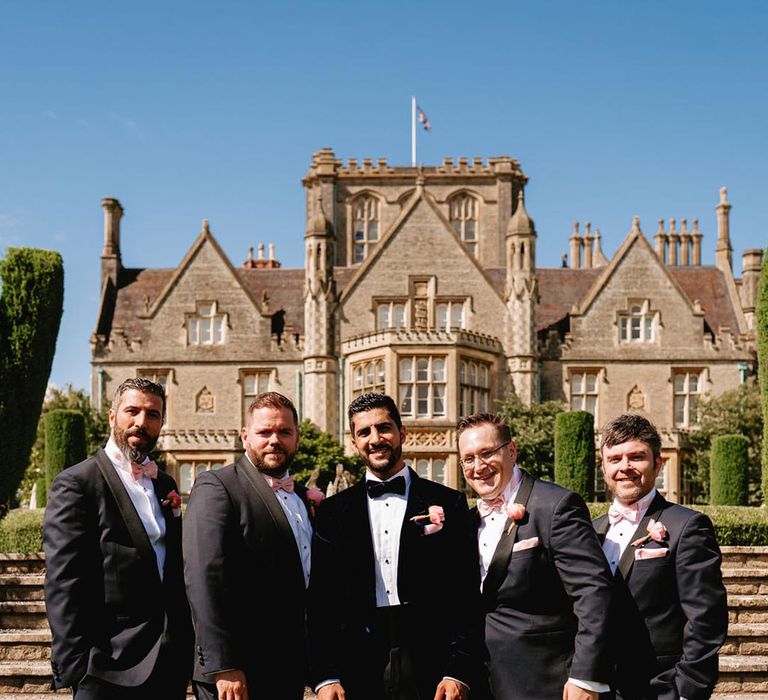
x=761 y=324
x=729 y=465
x=64 y=442
x=575 y=452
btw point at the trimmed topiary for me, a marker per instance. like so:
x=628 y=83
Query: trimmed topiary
x=729 y=471
x=64 y=442
x=575 y=452
x=761 y=326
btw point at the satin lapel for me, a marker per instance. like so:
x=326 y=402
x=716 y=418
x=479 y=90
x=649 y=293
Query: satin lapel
x=601 y=526
x=130 y=517
x=171 y=532
x=628 y=557
x=357 y=531
x=267 y=496
x=497 y=570
x=410 y=533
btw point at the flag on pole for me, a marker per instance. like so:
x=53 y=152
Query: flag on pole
x=423 y=119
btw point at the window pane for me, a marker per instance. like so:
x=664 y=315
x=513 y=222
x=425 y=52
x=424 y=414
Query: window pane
x=422 y=468
x=484 y=376
x=406 y=399
x=263 y=382
x=205 y=309
x=577 y=384
x=693 y=383
x=648 y=328
x=380 y=372
x=185 y=478
x=359 y=235
x=679 y=383
x=693 y=409
x=590 y=404
x=194 y=335
x=357 y=377
x=438 y=470
x=472 y=373
x=442 y=315
x=635 y=328
x=383 y=317
x=422 y=400
x=576 y=403
x=399 y=316
x=679 y=410
x=422 y=369
x=469 y=230
x=438 y=370
x=462 y=371
x=625 y=328
x=359 y=254
x=368 y=374
x=249 y=384
x=218 y=329
x=471 y=247
x=373 y=231
x=205 y=328
x=591 y=383
x=406 y=370
x=438 y=400
x=483 y=402
x=457 y=316
x=200 y=468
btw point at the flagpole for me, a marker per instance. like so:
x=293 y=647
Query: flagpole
x=413 y=132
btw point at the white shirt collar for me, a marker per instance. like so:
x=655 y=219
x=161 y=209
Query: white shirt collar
x=404 y=472
x=642 y=504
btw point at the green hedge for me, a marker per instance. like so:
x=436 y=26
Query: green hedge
x=22 y=531
x=734 y=525
x=729 y=465
x=575 y=452
x=64 y=442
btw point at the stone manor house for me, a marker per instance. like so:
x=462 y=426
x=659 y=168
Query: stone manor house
x=422 y=283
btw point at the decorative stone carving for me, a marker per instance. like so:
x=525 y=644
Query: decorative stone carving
x=205 y=401
x=427 y=438
x=636 y=399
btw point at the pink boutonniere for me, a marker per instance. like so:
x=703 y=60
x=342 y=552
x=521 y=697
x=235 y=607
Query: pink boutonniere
x=516 y=512
x=314 y=498
x=173 y=500
x=435 y=517
x=656 y=532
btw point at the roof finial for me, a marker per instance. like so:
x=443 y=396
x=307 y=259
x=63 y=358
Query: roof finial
x=206 y=228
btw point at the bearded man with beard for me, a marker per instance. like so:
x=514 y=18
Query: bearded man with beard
x=247 y=546
x=114 y=586
x=394 y=606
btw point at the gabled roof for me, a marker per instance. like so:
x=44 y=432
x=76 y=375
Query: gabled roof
x=559 y=290
x=709 y=286
x=419 y=195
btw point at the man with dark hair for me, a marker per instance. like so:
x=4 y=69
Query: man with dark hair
x=394 y=606
x=545 y=584
x=114 y=586
x=670 y=611
x=247 y=544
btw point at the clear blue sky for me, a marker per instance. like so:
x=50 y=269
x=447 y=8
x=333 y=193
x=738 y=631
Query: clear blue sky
x=196 y=110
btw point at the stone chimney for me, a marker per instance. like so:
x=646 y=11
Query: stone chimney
x=723 y=250
x=110 y=254
x=751 y=263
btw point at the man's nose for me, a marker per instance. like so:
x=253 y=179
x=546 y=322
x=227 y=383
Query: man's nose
x=374 y=435
x=274 y=438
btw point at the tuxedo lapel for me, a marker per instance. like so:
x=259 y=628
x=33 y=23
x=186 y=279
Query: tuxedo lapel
x=497 y=570
x=601 y=528
x=628 y=557
x=417 y=504
x=357 y=529
x=127 y=511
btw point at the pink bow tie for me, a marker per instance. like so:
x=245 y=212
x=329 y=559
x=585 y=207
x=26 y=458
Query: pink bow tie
x=277 y=484
x=617 y=513
x=495 y=505
x=149 y=469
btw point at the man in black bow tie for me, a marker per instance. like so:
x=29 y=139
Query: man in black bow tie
x=394 y=553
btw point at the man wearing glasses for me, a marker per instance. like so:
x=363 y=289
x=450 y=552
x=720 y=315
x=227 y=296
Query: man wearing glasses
x=545 y=584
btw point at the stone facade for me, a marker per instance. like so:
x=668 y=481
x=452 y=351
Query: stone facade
x=422 y=282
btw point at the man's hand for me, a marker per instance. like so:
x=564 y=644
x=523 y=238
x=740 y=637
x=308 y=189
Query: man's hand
x=573 y=692
x=332 y=691
x=231 y=685
x=449 y=689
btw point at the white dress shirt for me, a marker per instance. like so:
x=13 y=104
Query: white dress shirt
x=386 y=515
x=144 y=499
x=492 y=526
x=298 y=519
x=618 y=535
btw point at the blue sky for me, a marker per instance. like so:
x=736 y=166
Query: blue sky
x=196 y=110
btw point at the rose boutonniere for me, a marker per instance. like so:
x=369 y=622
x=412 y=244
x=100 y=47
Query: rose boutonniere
x=173 y=500
x=432 y=520
x=656 y=532
x=314 y=498
x=515 y=512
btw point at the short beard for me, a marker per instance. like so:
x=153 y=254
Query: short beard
x=275 y=472
x=394 y=457
x=133 y=454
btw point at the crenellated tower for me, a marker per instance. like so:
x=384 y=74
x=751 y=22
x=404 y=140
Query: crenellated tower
x=321 y=365
x=521 y=296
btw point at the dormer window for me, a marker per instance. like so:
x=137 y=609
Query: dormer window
x=206 y=325
x=463 y=216
x=638 y=324
x=365 y=227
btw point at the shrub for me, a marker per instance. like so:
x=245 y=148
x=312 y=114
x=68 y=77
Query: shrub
x=761 y=327
x=575 y=452
x=64 y=442
x=22 y=531
x=319 y=451
x=729 y=482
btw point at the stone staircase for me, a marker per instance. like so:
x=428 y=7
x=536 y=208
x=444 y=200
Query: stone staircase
x=25 y=640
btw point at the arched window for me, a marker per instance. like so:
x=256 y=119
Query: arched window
x=365 y=226
x=463 y=215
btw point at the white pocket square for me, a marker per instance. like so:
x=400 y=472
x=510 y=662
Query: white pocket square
x=525 y=544
x=641 y=554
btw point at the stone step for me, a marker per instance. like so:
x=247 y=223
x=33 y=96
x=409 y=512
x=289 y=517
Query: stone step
x=747 y=609
x=25 y=677
x=749 y=557
x=727 y=696
x=22 y=615
x=746 y=640
x=22 y=563
x=742 y=674
x=21 y=586
x=25 y=645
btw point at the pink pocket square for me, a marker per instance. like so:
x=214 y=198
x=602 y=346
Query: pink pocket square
x=525 y=544
x=641 y=554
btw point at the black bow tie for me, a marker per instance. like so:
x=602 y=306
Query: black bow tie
x=379 y=488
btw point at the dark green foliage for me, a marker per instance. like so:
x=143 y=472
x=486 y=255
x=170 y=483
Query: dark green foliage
x=533 y=430
x=41 y=492
x=30 y=313
x=575 y=452
x=761 y=323
x=64 y=442
x=734 y=412
x=729 y=460
x=22 y=531
x=96 y=433
x=319 y=450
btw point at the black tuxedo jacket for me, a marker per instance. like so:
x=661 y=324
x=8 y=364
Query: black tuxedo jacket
x=670 y=615
x=106 y=605
x=436 y=581
x=546 y=606
x=245 y=582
